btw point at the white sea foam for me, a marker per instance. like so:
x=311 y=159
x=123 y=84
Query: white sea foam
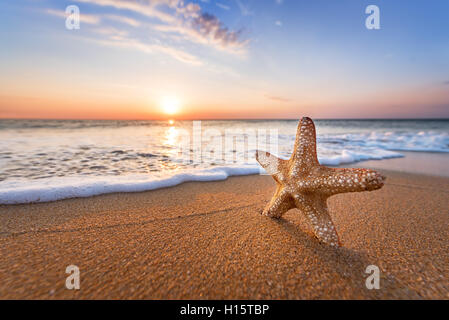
x=404 y=141
x=62 y=160
x=347 y=157
x=57 y=188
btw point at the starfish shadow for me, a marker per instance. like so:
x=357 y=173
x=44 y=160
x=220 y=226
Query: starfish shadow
x=348 y=264
x=339 y=254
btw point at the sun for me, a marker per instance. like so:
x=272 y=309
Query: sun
x=170 y=105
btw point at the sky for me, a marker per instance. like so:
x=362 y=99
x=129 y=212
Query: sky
x=225 y=59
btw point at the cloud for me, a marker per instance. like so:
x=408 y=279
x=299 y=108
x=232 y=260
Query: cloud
x=191 y=10
x=222 y=6
x=446 y=83
x=205 y=34
x=128 y=43
x=278 y=23
x=84 y=18
x=278 y=99
x=174 y=20
x=279 y=1
x=111 y=32
x=210 y=27
x=125 y=20
x=244 y=9
x=183 y=18
x=149 y=8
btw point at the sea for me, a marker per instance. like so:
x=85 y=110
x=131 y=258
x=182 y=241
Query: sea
x=47 y=160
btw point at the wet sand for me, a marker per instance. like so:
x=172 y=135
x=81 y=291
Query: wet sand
x=207 y=240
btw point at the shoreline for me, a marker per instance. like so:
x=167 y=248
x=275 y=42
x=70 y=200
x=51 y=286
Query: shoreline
x=207 y=240
x=426 y=163
x=432 y=164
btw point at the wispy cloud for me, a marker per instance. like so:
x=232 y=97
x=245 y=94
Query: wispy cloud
x=148 y=8
x=277 y=98
x=211 y=28
x=128 y=43
x=244 y=9
x=211 y=31
x=184 y=18
x=175 y=21
x=111 y=32
x=84 y=18
x=129 y=21
x=222 y=6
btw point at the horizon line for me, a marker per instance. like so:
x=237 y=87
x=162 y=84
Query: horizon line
x=220 y=119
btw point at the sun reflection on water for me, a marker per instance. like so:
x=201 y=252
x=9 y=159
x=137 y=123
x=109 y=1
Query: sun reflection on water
x=171 y=136
x=170 y=143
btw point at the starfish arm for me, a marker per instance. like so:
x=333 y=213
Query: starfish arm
x=304 y=152
x=303 y=183
x=315 y=209
x=272 y=164
x=338 y=180
x=279 y=204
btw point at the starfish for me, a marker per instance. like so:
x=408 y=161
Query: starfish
x=305 y=184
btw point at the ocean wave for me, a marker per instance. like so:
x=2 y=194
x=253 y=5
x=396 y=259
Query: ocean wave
x=348 y=156
x=58 y=188
x=423 y=141
x=54 y=165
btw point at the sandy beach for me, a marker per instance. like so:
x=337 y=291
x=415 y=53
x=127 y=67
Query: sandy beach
x=137 y=139
x=207 y=240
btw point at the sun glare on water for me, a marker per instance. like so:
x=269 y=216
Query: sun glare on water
x=170 y=105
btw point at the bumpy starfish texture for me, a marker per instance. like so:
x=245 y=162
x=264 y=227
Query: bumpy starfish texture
x=305 y=184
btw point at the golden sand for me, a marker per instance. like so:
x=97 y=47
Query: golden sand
x=207 y=240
